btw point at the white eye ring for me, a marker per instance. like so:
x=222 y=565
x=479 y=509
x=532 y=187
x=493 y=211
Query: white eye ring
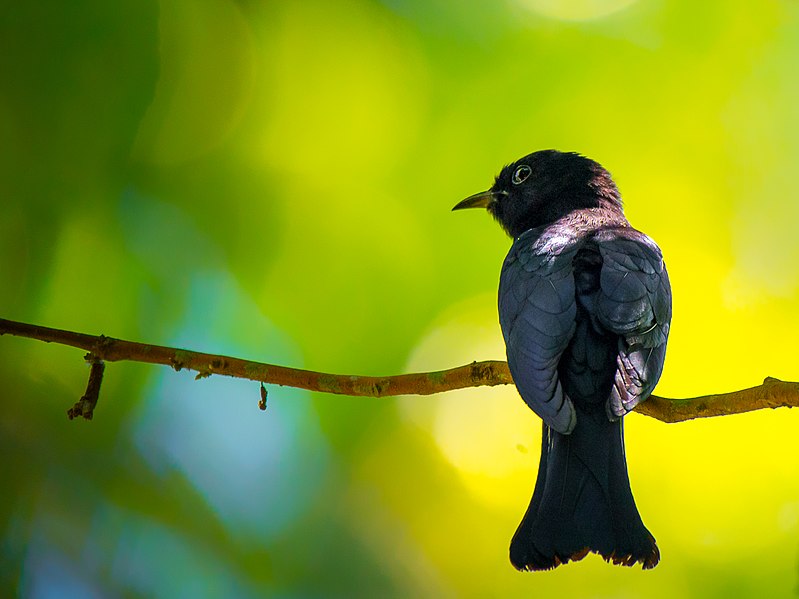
x=521 y=173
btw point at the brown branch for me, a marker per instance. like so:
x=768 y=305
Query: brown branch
x=772 y=393
x=87 y=403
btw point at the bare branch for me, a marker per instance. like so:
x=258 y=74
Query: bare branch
x=87 y=403
x=772 y=393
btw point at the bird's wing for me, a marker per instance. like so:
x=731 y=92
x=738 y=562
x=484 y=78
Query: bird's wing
x=537 y=311
x=634 y=302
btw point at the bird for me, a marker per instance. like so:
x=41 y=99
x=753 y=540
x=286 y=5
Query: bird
x=585 y=310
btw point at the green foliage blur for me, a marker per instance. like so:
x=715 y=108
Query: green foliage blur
x=273 y=180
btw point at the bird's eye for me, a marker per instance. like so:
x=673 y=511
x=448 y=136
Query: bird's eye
x=521 y=173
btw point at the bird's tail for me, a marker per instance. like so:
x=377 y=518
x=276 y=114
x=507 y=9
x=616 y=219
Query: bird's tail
x=582 y=501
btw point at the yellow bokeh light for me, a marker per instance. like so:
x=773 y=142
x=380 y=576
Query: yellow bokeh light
x=488 y=434
x=378 y=81
x=575 y=10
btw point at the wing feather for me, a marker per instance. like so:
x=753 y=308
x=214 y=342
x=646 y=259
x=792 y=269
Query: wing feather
x=634 y=302
x=537 y=311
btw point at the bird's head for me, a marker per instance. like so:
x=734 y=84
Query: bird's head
x=543 y=187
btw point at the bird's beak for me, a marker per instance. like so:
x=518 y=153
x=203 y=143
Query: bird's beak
x=479 y=200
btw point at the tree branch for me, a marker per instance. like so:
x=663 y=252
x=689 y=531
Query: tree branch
x=773 y=393
x=87 y=403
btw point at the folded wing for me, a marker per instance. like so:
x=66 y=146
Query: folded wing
x=634 y=302
x=537 y=311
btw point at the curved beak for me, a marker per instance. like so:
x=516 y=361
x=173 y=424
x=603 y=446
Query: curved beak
x=479 y=200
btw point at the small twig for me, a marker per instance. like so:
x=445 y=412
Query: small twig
x=86 y=404
x=773 y=393
x=262 y=401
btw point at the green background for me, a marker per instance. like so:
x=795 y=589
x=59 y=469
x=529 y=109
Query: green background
x=273 y=180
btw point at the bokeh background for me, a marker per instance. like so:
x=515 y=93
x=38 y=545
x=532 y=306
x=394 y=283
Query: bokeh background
x=273 y=180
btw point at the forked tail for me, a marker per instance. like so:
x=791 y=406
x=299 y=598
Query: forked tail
x=582 y=501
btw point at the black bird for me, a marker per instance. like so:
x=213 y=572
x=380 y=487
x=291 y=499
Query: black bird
x=585 y=308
